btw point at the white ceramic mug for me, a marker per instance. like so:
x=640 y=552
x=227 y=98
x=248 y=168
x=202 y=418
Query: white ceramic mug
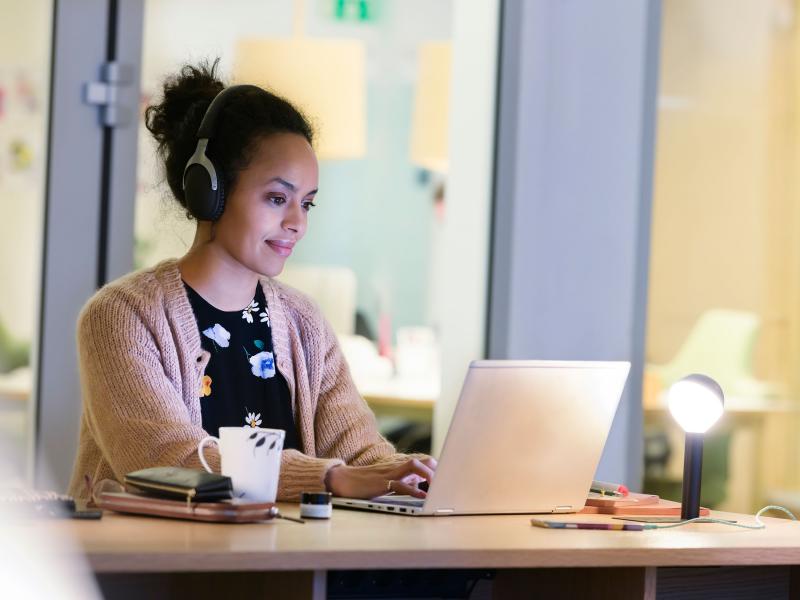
x=251 y=457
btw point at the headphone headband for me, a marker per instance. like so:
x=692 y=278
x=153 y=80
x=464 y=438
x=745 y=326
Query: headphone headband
x=209 y=122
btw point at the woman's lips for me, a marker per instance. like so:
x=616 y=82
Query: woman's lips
x=280 y=248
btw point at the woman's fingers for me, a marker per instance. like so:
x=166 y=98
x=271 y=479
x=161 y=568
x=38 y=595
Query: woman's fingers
x=430 y=462
x=402 y=488
x=374 y=480
x=414 y=466
x=406 y=477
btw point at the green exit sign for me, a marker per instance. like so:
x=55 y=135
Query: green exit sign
x=354 y=10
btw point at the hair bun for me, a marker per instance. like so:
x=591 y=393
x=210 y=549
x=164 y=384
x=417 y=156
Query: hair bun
x=175 y=120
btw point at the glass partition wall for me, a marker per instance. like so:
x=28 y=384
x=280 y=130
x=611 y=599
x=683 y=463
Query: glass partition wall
x=725 y=264
x=25 y=33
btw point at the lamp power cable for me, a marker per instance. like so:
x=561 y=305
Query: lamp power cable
x=759 y=523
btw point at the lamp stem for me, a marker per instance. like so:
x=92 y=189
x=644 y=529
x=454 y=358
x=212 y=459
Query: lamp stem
x=692 y=472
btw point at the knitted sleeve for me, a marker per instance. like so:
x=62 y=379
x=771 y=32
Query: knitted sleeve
x=134 y=411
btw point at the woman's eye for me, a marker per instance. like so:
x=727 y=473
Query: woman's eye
x=307 y=205
x=276 y=200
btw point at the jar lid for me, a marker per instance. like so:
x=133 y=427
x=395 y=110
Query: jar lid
x=315 y=498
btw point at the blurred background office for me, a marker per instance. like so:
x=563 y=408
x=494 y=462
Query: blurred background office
x=375 y=79
x=420 y=253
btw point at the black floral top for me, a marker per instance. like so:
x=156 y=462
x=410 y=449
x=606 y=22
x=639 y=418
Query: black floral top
x=242 y=385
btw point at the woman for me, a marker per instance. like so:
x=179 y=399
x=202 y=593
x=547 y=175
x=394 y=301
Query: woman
x=170 y=353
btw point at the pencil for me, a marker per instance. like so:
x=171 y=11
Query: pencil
x=572 y=525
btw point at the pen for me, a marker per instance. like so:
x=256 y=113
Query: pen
x=611 y=489
x=293 y=519
x=605 y=526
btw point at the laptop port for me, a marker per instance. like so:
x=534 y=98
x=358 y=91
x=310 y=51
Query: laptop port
x=390 y=508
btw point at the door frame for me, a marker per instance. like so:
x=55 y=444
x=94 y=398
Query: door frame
x=80 y=212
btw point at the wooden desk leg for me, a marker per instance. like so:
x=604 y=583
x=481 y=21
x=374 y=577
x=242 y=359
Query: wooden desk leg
x=289 y=585
x=599 y=583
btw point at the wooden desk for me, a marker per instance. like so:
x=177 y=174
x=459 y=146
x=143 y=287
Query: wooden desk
x=408 y=409
x=16 y=386
x=409 y=399
x=138 y=553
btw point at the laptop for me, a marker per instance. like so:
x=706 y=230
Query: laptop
x=525 y=437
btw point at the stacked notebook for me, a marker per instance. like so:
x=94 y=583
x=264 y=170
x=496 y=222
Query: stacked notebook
x=182 y=494
x=634 y=505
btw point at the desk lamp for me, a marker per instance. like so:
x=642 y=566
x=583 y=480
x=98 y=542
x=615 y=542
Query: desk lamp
x=696 y=402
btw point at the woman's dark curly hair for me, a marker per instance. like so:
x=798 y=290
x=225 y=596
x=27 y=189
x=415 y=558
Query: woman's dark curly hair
x=247 y=118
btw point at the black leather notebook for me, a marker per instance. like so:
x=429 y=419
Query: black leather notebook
x=192 y=485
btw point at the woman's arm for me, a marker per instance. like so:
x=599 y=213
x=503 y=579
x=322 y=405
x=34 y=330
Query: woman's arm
x=302 y=473
x=136 y=414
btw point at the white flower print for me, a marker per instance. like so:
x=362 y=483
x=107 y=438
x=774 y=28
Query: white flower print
x=265 y=316
x=247 y=313
x=252 y=419
x=218 y=334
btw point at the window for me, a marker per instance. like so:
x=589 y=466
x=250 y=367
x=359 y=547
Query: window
x=725 y=267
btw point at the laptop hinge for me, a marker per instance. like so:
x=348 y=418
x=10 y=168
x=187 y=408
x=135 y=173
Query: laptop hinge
x=565 y=508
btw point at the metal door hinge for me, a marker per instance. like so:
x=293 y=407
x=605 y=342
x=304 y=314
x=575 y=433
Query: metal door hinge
x=106 y=93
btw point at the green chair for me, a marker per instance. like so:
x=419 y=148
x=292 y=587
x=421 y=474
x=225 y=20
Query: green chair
x=13 y=353
x=719 y=345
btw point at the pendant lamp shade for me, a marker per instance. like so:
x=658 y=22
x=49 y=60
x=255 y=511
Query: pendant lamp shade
x=324 y=78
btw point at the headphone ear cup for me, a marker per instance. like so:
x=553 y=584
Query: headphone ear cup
x=218 y=198
x=202 y=201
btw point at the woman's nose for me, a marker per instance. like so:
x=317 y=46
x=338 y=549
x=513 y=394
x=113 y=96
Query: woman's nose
x=295 y=218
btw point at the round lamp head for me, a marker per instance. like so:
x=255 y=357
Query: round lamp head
x=696 y=402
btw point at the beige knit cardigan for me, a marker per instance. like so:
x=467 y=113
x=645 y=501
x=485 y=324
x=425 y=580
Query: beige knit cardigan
x=141 y=367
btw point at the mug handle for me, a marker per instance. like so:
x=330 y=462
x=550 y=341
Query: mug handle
x=201 y=445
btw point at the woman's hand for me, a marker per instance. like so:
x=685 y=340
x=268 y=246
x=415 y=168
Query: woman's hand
x=376 y=480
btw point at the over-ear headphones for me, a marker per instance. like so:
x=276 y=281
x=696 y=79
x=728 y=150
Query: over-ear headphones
x=203 y=186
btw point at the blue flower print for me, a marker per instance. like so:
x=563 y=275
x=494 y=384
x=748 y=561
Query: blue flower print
x=218 y=334
x=263 y=365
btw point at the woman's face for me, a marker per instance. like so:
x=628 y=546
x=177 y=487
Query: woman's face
x=266 y=213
